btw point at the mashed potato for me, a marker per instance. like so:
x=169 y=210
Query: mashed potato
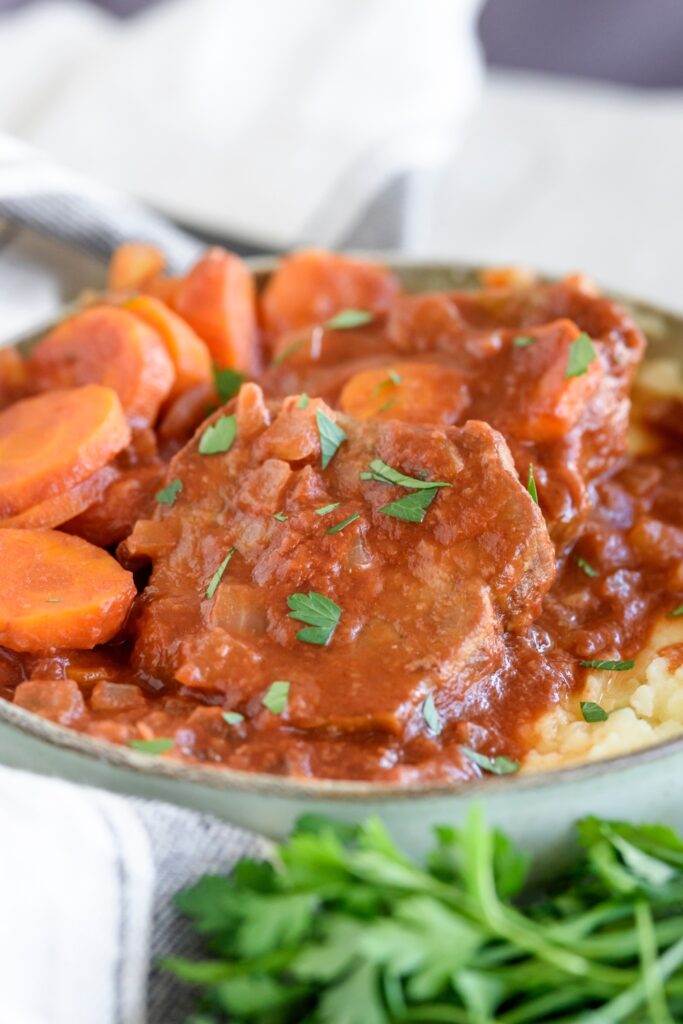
x=645 y=704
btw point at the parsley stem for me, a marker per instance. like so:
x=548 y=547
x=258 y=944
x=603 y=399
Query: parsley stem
x=622 y=1005
x=652 y=980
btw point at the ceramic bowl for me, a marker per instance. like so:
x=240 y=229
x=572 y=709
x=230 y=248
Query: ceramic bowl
x=537 y=810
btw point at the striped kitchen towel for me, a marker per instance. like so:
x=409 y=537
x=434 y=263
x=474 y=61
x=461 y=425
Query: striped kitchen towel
x=37 y=193
x=86 y=886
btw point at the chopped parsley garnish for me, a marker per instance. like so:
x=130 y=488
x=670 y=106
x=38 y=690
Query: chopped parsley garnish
x=676 y=612
x=495 y=765
x=609 y=666
x=326 y=509
x=331 y=437
x=348 y=318
x=227 y=383
x=345 y=522
x=523 y=341
x=233 y=717
x=593 y=712
x=287 y=352
x=588 y=569
x=218 y=575
x=155 y=746
x=320 y=614
x=412 y=508
x=392 y=379
x=581 y=355
x=385 y=474
x=531 y=484
x=303 y=401
x=167 y=495
x=219 y=437
x=276 y=697
x=280 y=516
x=431 y=715
x=388 y=405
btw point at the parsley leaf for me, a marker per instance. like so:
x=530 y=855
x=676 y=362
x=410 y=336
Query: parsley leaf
x=593 y=712
x=167 y=495
x=326 y=509
x=412 y=508
x=609 y=666
x=219 y=437
x=276 y=697
x=320 y=614
x=281 y=357
x=348 y=318
x=431 y=715
x=531 y=484
x=233 y=717
x=331 y=437
x=581 y=354
x=280 y=516
x=385 y=474
x=345 y=522
x=303 y=402
x=392 y=379
x=676 y=612
x=523 y=341
x=495 y=765
x=156 y=746
x=588 y=569
x=218 y=575
x=227 y=383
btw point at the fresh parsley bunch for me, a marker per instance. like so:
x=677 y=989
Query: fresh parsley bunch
x=341 y=928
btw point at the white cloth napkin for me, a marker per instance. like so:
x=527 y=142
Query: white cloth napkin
x=270 y=120
x=86 y=883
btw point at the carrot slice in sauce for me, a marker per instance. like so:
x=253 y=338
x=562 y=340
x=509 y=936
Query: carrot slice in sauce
x=412 y=392
x=61 y=507
x=189 y=354
x=218 y=299
x=107 y=345
x=311 y=286
x=54 y=441
x=12 y=376
x=134 y=265
x=59 y=591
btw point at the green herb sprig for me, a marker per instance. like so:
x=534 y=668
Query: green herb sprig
x=339 y=927
x=320 y=614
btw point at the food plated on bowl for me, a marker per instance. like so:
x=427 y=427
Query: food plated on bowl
x=320 y=525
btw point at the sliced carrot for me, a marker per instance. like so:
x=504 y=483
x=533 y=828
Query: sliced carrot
x=183 y=415
x=134 y=265
x=107 y=345
x=62 y=507
x=311 y=286
x=218 y=299
x=59 y=591
x=189 y=354
x=12 y=376
x=128 y=498
x=412 y=392
x=54 y=441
